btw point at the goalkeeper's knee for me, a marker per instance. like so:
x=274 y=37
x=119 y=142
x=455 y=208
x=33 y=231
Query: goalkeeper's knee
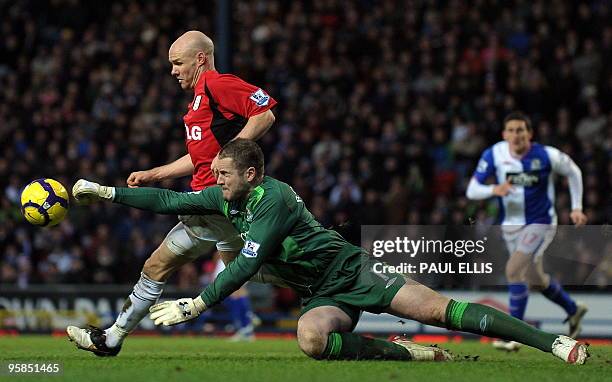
x=312 y=342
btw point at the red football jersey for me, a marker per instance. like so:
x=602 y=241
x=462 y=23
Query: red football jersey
x=221 y=106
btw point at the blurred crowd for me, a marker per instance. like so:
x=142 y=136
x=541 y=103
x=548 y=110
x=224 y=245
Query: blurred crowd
x=384 y=109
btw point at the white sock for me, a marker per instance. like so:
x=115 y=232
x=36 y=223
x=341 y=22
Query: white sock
x=115 y=335
x=146 y=293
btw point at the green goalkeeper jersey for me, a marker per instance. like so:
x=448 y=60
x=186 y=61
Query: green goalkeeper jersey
x=278 y=231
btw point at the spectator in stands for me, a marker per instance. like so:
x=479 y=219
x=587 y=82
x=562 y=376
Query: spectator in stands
x=368 y=93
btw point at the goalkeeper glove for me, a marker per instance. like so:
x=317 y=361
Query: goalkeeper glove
x=174 y=312
x=86 y=192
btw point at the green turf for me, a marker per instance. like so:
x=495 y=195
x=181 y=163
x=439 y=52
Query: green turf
x=211 y=360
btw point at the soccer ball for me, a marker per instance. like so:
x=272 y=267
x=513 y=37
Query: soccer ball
x=44 y=202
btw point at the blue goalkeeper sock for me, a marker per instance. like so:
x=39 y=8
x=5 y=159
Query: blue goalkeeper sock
x=519 y=294
x=559 y=296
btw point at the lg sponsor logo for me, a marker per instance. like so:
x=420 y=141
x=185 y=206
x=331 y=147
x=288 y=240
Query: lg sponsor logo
x=194 y=133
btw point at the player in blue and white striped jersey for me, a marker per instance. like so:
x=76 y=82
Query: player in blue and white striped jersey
x=525 y=188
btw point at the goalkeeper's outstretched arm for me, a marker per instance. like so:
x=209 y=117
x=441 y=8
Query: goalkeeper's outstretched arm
x=161 y=201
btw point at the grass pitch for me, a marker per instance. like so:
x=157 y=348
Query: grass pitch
x=209 y=360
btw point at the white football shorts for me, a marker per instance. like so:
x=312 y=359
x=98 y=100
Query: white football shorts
x=219 y=267
x=532 y=239
x=197 y=235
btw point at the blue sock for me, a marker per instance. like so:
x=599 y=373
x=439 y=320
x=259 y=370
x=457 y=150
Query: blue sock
x=519 y=293
x=556 y=294
x=233 y=306
x=245 y=311
x=239 y=309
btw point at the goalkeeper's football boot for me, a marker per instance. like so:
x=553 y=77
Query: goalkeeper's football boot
x=423 y=353
x=575 y=320
x=508 y=346
x=92 y=339
x=570 y=350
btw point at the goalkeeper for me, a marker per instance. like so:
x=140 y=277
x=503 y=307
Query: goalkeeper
x=284 y=244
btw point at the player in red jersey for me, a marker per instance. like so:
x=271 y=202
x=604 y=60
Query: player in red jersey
x=224 y=107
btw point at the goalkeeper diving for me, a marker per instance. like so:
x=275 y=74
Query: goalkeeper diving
x=285 y=245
